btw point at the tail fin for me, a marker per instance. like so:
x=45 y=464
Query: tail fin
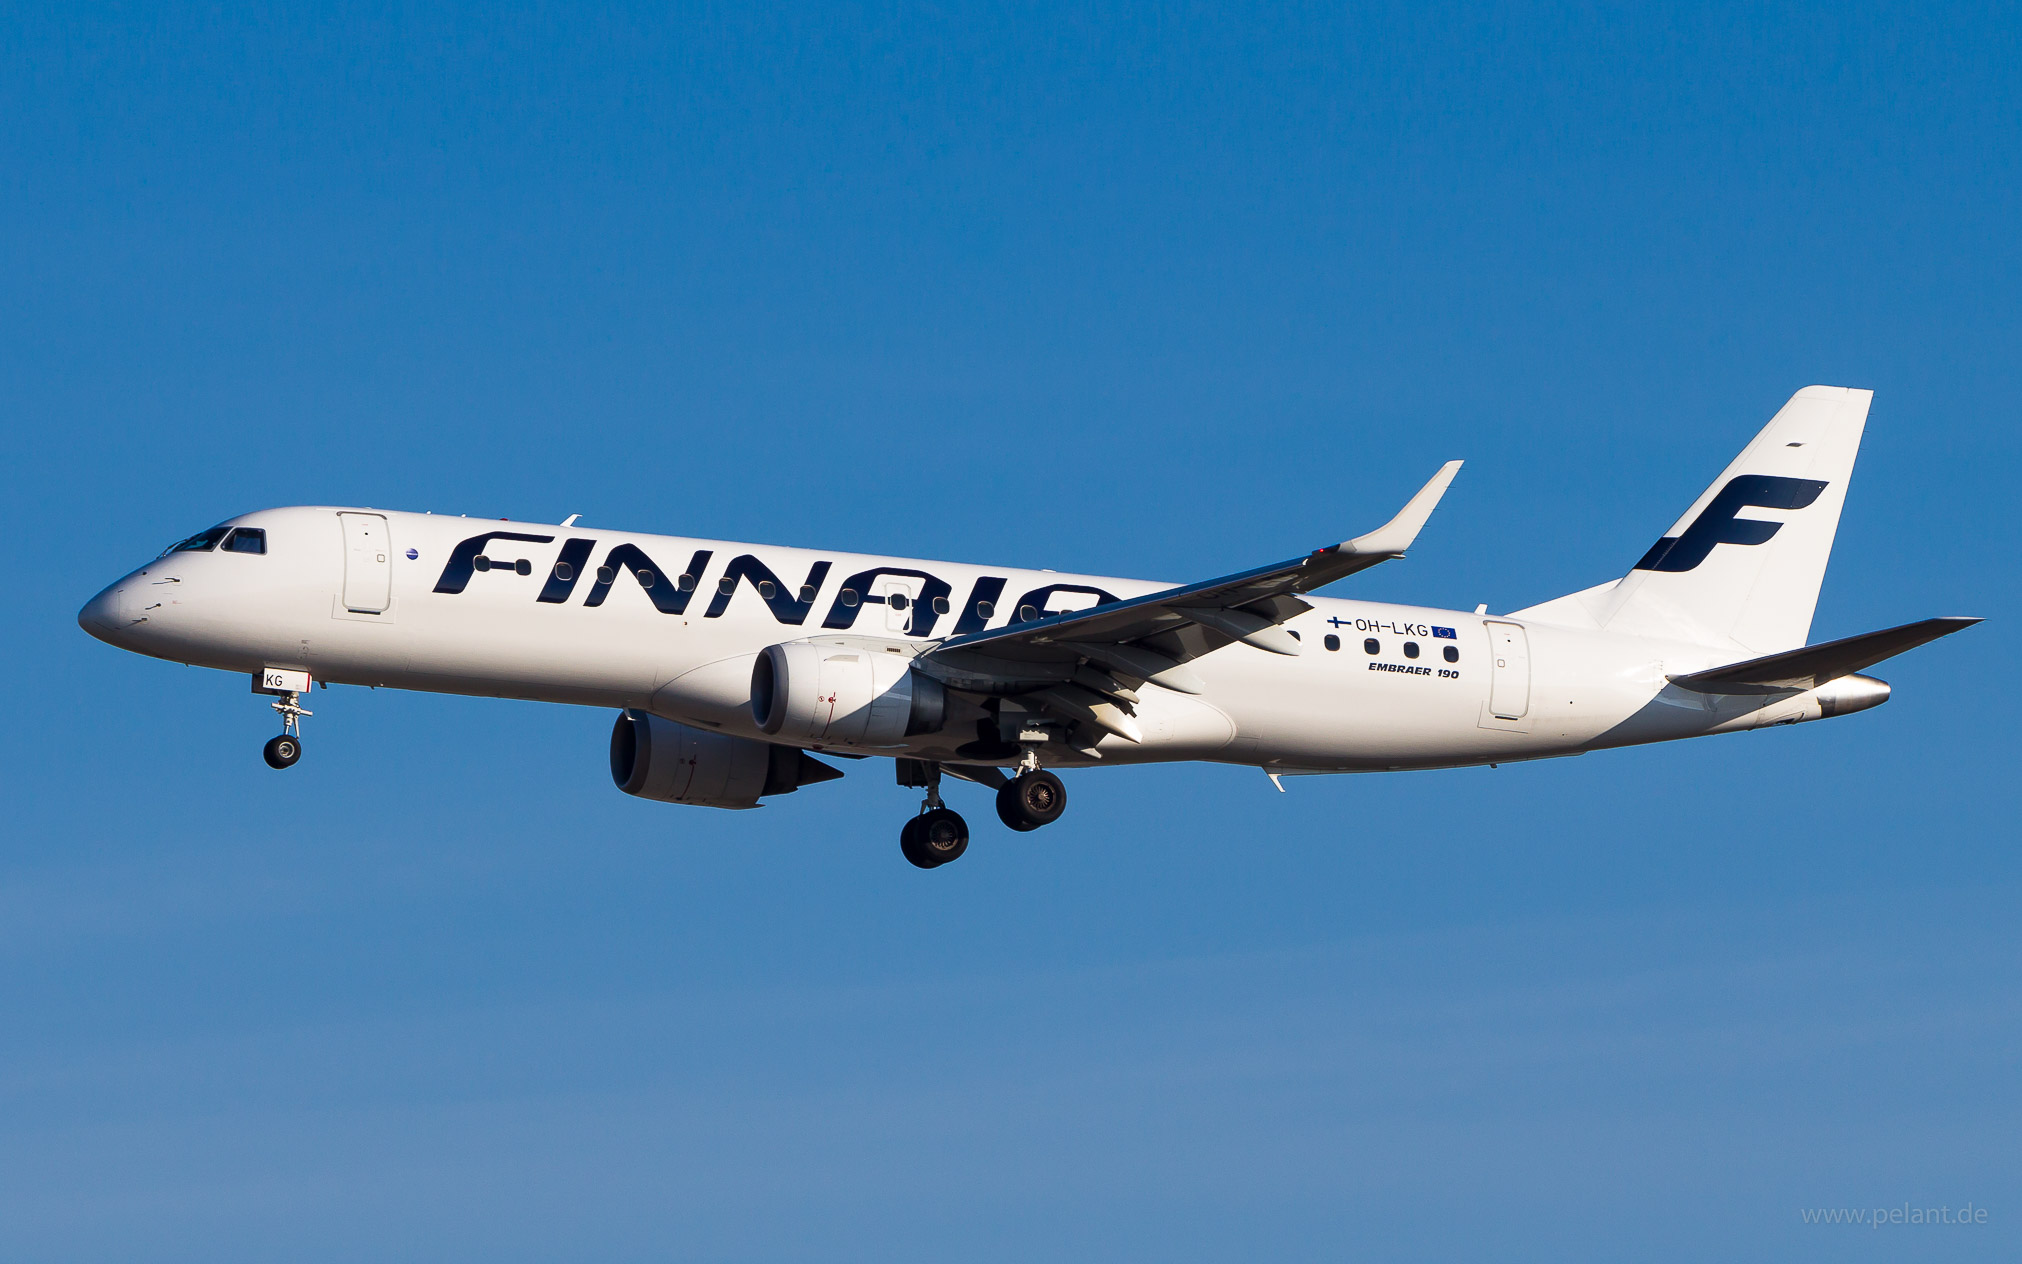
x=1743 y=566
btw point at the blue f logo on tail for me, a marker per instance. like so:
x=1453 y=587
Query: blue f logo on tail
x=1716 y=524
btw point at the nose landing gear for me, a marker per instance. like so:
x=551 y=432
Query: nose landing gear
x=283 y=751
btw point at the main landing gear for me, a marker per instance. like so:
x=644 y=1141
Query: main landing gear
x=934 y=837
x=938 y=834
x=1031 y=799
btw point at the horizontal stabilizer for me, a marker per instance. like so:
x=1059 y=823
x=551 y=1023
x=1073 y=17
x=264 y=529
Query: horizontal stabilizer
x=1814 y=665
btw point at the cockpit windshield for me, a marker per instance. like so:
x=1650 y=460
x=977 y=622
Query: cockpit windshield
x=203 y=542
x=234 y=540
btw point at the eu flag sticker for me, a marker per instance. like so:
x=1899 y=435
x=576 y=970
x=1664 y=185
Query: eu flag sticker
x=1445 y=634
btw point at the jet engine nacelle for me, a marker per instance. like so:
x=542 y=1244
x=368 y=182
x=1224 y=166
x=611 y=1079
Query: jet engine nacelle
x=842 y=694
x=659 y=759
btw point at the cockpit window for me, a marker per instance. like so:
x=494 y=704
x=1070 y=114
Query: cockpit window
x=201 y=543
x=247 y=540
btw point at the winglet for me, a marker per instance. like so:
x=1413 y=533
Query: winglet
x=1396 y=535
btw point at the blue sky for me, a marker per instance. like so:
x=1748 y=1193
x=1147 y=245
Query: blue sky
x=1159 y=293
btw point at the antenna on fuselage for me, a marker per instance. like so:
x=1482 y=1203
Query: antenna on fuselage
x=570 y=521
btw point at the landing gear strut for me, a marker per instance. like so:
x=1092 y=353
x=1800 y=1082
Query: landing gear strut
x=283 y=751
x=938 y=834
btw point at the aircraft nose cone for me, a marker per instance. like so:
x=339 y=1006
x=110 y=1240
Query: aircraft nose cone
x=101 y=615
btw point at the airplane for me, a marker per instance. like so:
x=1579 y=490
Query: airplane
x=733 y=666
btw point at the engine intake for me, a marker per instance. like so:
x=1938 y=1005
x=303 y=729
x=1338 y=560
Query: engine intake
x=842 y=694
x=673 y=763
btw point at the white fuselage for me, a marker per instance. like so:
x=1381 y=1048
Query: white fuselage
x=570 y=615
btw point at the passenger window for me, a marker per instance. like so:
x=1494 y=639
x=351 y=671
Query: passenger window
x=1452 y=653
x=1371 y=646
x=896 y=601
x=766 y=588
x=645 y=574
x=247 y=540
x=940 y=605
x=1331 y=641
x=806 y=593
x=1411 y=649
x=984 y=610
x=847 y=596
x=564 y=572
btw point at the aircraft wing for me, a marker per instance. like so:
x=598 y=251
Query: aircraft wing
x=1813 y=665
x=1084 y=664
